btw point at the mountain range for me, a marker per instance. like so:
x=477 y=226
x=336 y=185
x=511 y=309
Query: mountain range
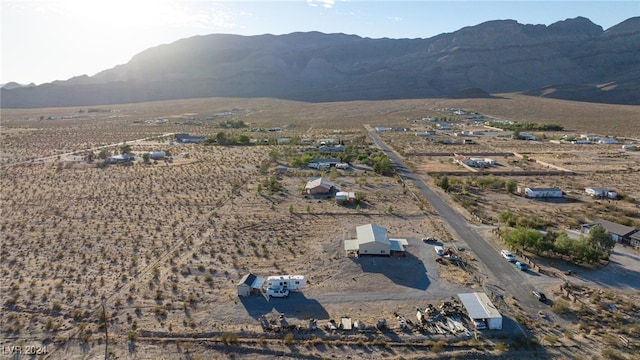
x=573 y=59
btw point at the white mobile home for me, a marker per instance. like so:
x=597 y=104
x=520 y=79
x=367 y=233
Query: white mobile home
x=157 y=155
x=601 y=193
x=543 y=192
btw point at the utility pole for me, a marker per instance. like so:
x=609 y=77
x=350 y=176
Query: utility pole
x=106 y=333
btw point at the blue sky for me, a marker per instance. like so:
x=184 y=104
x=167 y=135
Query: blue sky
x=49 y=40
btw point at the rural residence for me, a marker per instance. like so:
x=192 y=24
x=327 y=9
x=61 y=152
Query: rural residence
x=543 y=192
x=373 y=240
x=620 y=233
x=319 y=186
x=601 y=193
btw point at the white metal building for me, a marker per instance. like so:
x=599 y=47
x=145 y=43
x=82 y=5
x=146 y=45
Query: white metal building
x=480 y=307
x=373 y=240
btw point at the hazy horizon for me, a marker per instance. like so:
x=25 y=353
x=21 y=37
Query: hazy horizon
x=44 y=41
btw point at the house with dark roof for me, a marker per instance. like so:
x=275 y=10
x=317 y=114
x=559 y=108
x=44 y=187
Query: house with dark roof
x=634 y=240
x=620 y=233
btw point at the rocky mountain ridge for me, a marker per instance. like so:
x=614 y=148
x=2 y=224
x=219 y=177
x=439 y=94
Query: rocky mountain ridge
x=573 y=59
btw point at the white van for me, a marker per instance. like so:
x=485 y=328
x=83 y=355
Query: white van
x=439 y=250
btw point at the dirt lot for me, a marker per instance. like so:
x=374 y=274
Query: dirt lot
x=164 y=244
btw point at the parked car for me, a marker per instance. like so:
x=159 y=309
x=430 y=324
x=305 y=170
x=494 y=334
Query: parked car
x=508 y=255
x=521 y=266
x=479 y=324
x=429 y=239
x=539 y=295
x=280 y=293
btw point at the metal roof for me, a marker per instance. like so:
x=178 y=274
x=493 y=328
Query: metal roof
x=372 y=233
x=247 y=279
x=351 y=245
x=252 y=280
x=396 y=245
x=313 y=183
x=544 y=189
x=479 y=306
x=612 y=227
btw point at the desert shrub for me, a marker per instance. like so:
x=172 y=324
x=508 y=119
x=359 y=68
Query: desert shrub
x=502 y=346
x=229 y=338
x=613 y=354
x=560 y=307
x=438 y=347
x=289 y=339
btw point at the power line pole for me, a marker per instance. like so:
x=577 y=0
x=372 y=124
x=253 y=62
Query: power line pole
x=106 y=333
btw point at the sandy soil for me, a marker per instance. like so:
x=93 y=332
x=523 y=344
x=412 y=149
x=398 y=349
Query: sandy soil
x=164 y=244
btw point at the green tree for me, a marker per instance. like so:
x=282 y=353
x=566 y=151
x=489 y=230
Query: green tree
x=333 y=174
x=125 y=149
x=507 y=217
x=145 y=158
x=382 y=165
x=443 y=182
x=510 y=186
x=243 y=139
x=221 y=138
x=601 y=240
x=523 y=237
x=563 y=245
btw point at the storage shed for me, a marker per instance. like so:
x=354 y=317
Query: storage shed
x=480 y=307
x=249 y=283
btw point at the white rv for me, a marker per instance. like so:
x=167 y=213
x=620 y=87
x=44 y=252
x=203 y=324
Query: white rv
x=287 y=282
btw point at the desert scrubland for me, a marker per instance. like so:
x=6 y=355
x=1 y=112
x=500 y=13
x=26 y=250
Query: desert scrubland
x=161 y=246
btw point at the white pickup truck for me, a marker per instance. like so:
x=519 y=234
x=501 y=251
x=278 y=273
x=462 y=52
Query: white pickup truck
x=508 y=255
x=277 y=292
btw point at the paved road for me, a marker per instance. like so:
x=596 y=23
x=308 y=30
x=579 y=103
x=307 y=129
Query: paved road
x=508 y=279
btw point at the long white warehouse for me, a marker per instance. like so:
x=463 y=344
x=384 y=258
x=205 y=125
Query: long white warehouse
x=479 y=307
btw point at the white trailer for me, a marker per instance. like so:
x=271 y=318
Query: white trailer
x=157 y=155
x=287 y=282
